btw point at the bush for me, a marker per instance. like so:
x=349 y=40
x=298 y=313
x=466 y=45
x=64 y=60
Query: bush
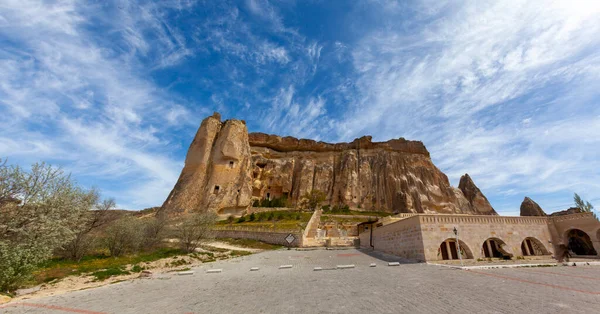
x=230 y=219
x=123 y=236
x=252 y=217
x=153 y=231
x=241 y=219
x=194 y=229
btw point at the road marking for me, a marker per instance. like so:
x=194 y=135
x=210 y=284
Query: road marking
x=373 y=265
x=533 y=282
x=345 y=266
x=285 y=266
x=254 y=269
x=318 y=268
x=394 y=264
x=212 y=271
x=183 y=273
x=52 y=307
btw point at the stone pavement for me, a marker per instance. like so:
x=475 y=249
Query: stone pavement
x=408 y=288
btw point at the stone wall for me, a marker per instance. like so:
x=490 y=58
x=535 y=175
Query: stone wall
x=585 y=222
x=264 y=236
x=268 y=209
x=402 y=238
x=473 y=231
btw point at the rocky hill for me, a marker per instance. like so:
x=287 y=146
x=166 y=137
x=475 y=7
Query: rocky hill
x=226 y=169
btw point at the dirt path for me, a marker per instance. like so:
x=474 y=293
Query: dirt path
x=227 y=246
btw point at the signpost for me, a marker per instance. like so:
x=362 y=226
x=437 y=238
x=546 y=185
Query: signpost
x=289 y=239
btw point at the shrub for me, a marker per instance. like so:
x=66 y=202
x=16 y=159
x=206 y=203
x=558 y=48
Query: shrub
x=252 y=217
x=230 y=219
x=242 y=219
x=123 y=236
x=194 y=229
x=256 y=203
x=153 y=231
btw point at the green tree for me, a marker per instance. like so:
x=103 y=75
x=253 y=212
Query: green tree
x=585 y=206
x=39 y=212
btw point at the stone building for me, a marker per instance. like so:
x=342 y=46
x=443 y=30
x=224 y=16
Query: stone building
x=426 y=237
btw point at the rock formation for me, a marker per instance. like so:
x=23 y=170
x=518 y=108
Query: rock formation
x=531 y=208
x=226 y=168
x=216 y=175
x=478 y=203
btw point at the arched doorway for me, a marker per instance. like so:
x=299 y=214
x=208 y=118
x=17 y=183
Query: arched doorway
x=533 y=247
x=448 y=250
x=493 y=247
x=580 y=243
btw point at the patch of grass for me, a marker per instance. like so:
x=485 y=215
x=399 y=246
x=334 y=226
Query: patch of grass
x=107 y=273
x=235 y=253
x=277 y=220
x=249 y=243
x=59 y=268
x=137 y=268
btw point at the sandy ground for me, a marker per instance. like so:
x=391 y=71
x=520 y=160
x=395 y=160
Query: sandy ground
x=158 y=268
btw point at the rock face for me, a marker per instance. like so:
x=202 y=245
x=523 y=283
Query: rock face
x=216 y=175
x=478 y=203
x=531 y=208
x=396 y=176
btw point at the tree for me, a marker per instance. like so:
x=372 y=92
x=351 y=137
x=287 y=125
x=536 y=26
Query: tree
x=311 y=200
x=194 y=229
x=85 y=226
x=38 y=211
x=585 y=206
x=123 y=236
x=153 y=231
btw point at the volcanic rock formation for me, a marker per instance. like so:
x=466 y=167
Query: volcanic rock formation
x=531 y=208
x=226 y=168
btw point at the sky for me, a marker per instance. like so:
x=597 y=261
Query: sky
x=114 y=91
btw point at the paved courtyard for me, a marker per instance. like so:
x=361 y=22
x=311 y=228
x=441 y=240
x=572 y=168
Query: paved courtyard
x=408 y=288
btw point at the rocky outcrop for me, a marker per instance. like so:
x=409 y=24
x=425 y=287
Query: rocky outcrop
x=570 y=211
x=477 y=202
x=216 y=175
x=531 y=208
x=226 y=167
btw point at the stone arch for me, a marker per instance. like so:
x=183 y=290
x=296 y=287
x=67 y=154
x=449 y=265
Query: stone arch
x=579 y=242
x=533 y=247
x=448 y=250
x=495 y=247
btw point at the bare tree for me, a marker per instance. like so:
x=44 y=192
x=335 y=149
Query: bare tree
x=194 y=229
x=85 y=226
x=123 y=236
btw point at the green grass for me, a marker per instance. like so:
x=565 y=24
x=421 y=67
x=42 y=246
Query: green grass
x=107 y=273
x=355 y=213
x=99 y=265
x=326 y=218
x=249 y=243
x=275 y=220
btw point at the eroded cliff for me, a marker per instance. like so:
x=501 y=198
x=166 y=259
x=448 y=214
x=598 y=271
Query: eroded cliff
x=226 y=168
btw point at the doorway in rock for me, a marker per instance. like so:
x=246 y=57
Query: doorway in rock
x=580 y=243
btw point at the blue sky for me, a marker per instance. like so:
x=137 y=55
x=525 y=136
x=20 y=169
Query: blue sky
x=507 y=91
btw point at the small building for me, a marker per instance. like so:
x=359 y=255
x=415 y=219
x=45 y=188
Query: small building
x=432 y=237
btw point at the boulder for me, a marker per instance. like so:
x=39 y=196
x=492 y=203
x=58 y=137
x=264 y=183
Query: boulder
x=531 y=208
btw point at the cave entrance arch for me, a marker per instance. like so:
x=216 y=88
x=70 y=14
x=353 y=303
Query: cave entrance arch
x=533 y=247
x=448 y=250
x=580 y=243
x=494 y=247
